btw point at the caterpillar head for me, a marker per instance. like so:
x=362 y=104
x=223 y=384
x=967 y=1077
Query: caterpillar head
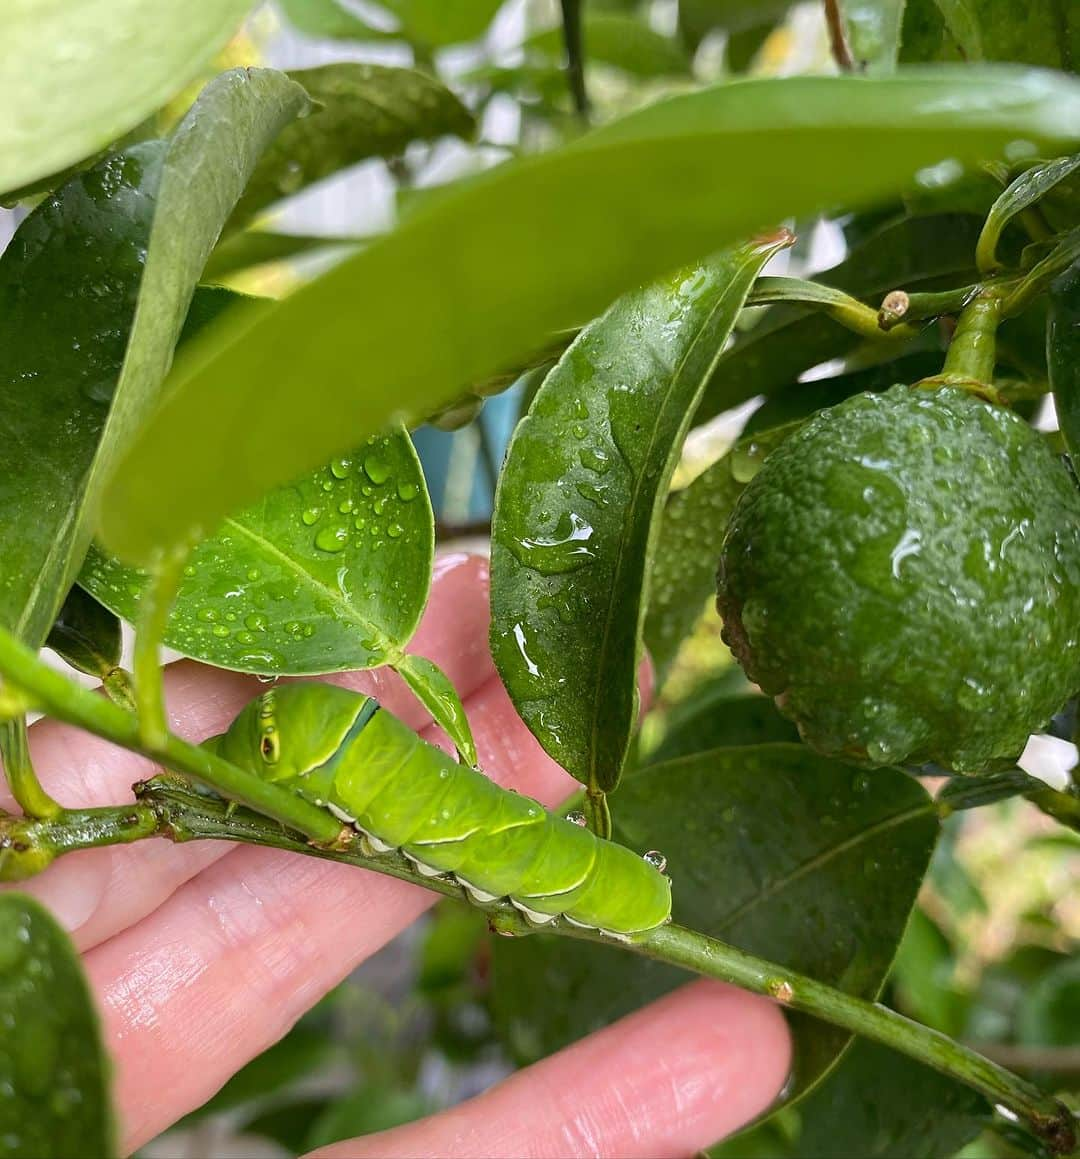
x=292 y=729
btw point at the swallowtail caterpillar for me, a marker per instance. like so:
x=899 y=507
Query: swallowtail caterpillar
x=340 y=751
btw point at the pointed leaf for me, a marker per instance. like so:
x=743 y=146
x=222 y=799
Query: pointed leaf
x=578 y=505
x=61 y=352
x=75 y=77
x=476 y=278
x=810 y=863
x=364 y=110
x=326 y=574
x=54 y=1074
x=433 y=689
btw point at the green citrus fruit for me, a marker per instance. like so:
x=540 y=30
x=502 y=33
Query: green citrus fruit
x=903 y=575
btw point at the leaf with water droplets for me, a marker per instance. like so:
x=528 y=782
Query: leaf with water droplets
x=94 y=290
x=54 y=1073
x=326 y=574
x=364 y=110
x=805 y=861
x=578 y=507
x=75 y=77
x=683 y=579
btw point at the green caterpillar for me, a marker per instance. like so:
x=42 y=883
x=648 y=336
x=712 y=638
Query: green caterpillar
x=338 y=749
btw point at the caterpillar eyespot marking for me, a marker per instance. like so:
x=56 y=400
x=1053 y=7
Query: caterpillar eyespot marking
x=339 y=750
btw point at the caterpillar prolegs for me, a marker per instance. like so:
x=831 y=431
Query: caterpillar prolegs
x=339 y=750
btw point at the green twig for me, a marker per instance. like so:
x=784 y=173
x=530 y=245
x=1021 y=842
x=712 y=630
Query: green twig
x=63 y=699
x=182 y=814
x=21 y=777
x=841 y=307
x=972 y=353
x=28 y=845
x=899 y=307
x=1047 y=1118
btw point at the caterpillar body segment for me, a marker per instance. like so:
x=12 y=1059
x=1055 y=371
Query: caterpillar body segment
x=339 y=750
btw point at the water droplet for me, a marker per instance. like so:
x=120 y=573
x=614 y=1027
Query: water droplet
x=375 y=469
x=256 y=622
x=189 y=570
x=519 y=639
x=910 y=544
x=656 y=859
x=332 y=539
x=576 y=817
x=253 y=574
x=395 y=531
x=407 y=492
x=245 y=638
x=379 y=506
x=311 y=516
x=746 y=461
x=207 y=615
x=595 y=459
x=359 y=523
x=579 y=431
x=221 y=631
x=564 y=551
x=340 y=468
x=345 y=506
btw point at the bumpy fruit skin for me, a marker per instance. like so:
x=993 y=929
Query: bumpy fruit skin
x=903 y=575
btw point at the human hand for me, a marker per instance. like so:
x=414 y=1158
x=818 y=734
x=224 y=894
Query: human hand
x=202 y=955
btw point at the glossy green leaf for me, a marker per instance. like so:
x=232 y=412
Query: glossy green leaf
x=476 y=278
x=1041 y=32
x=362 y=111
x=431 y=686
x=86 y=635
x=811 y=863
x=327 y=18
x=54 y=1074
x=578 y=505
x=873 y=32
x=1030 y=187
x=322 y=575
x=119 y=247
x=68 y=286
x=684 y=560
x=77 y=77
x=877 y=1104
x=910 y=253
x=1063 y=356
x=621 y=41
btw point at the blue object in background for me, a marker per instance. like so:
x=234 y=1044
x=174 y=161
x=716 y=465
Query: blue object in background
x=461 y=482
